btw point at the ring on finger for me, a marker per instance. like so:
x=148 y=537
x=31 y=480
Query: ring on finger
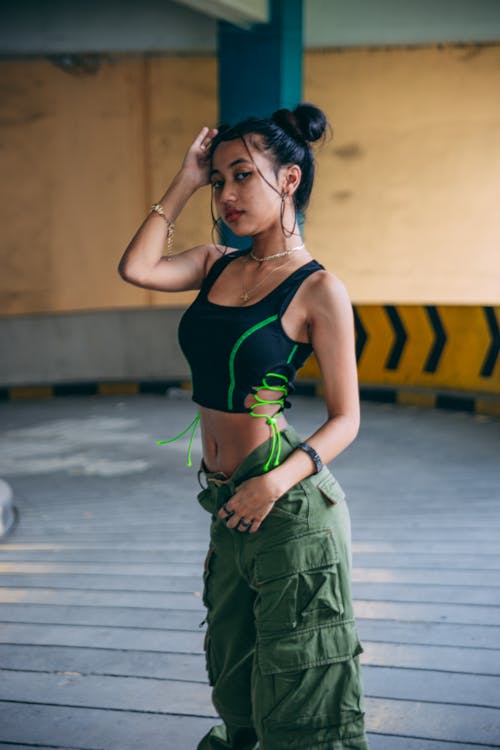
x=230 y=513
x=244 y=523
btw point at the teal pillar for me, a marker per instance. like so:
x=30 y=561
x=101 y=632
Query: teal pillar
x=260 y=69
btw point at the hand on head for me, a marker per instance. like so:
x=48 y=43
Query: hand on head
x=196 y=161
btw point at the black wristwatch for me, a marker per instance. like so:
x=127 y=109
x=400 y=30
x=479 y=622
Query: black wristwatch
x=314 y=455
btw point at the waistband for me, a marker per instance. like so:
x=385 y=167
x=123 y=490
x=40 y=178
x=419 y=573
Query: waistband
x=253 y=464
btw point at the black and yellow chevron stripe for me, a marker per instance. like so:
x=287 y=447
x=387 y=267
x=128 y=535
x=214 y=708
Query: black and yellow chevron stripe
x=445 y=356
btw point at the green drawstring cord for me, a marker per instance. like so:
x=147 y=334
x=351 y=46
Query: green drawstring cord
x=194 y=425
x=271 y=418
x=275 y=451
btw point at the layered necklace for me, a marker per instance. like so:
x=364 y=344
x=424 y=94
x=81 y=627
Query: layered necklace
x=245 y=294
x=276 y=255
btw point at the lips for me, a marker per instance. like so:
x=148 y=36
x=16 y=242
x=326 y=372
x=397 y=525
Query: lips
x=233 y=215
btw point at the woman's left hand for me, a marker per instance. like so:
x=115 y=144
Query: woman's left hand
x=252 y=502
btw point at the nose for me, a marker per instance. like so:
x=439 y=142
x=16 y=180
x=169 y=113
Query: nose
x=227 y=195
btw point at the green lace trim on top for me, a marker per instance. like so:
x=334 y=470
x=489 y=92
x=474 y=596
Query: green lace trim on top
x=234 y=351
x=192 y=426
x=275 y=451
x=292 y=354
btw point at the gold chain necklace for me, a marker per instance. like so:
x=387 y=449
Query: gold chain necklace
x=246 y=292
x=276 y=255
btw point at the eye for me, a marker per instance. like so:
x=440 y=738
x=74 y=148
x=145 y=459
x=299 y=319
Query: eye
x=240 y=176
x=217 y=184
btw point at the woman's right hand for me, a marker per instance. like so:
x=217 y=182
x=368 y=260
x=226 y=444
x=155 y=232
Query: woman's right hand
x=196 y=162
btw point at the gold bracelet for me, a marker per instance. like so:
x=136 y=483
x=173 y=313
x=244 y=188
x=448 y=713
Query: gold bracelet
x=170 y=228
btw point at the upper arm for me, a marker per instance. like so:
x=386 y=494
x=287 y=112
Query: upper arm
x=333 y=340
x=185 y=271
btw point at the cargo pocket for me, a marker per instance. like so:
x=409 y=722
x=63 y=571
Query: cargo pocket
x=314 y=690
x=330 y=488
x=321 y=707
x=311 y=647
x=297 y=584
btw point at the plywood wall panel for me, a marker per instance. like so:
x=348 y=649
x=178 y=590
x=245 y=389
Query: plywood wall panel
x=85 y=156
x=183 y=99
x=405 y=206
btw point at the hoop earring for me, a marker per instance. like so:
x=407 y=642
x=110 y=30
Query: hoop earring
x=282 y=214
x=217 y=225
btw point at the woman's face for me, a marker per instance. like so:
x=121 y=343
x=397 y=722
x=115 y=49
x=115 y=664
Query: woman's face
x=243 y=199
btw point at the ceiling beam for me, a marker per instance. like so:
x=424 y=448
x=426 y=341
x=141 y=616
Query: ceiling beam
x=242 y=13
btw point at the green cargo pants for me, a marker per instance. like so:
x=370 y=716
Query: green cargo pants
x=282 y=650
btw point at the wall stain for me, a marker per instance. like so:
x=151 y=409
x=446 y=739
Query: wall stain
x=349 y=151
x=341 y=195
x=9 y=122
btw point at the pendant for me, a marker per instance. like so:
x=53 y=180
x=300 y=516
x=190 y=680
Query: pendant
x=244 y=296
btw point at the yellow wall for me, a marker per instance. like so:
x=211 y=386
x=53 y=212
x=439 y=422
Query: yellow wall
x=84 y=157
x=405 y=208
x=406 y=205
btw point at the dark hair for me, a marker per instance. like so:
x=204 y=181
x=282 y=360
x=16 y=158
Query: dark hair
x=287 y=135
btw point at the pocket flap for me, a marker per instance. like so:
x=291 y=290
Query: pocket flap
x=309 y=648
x=315 y=549
x=331 y=489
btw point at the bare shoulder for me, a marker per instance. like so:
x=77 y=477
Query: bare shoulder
x=214 y=252
x=327 y=294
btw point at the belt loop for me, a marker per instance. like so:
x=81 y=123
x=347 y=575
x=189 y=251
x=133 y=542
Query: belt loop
x=201 y=471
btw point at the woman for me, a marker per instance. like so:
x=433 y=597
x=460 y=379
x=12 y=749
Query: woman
x=282 y=650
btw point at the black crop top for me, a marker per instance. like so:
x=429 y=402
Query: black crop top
x=235 y=351
x=230 y=350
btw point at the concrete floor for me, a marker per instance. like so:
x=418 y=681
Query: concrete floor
x=100 y=581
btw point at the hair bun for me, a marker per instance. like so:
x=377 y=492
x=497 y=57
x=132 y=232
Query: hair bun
x=307 y=123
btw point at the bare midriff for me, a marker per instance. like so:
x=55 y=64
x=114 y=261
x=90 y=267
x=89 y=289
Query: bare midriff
x=227 y=438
